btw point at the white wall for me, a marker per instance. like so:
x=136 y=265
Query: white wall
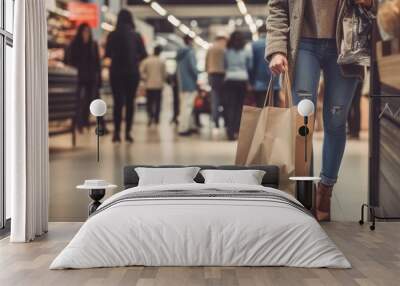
x=9 y=70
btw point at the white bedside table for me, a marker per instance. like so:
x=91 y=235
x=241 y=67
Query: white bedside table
x=97 y=190
x=305 y=190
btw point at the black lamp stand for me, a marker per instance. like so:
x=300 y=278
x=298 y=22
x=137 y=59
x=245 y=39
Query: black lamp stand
x=304 y=131
x=99 y=132
x=96 y=195
x=305 y=187
x=304 y=193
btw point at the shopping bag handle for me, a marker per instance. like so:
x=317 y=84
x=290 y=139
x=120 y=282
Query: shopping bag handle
x=269 y=98
x=287 y=89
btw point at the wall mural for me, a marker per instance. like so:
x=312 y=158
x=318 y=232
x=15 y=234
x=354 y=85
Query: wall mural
x=387 y=122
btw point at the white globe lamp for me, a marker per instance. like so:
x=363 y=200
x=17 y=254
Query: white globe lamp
x=305 y=108
x=98 y=108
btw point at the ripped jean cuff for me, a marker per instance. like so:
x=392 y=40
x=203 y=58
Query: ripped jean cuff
x=327 y=181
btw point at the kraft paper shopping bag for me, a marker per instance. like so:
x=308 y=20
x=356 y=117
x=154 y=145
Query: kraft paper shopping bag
x=248 y=123
x=267 y=136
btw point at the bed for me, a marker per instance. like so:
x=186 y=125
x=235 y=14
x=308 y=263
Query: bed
x=201 y=224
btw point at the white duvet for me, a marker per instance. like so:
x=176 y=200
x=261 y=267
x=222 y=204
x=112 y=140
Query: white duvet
x=200 y=231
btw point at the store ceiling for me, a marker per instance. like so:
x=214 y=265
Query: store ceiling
x=197 y=2
x=189 y=9
x=204 y=17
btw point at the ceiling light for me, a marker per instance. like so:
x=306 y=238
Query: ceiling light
x=184 y=29
x=192 y=34
x=253 y=28
x=177 y=23
x=193 y=23
x=162 y=41
x=173 y=20
x=248 y=19
x=107 y=27
x=242 y=7
x=157 y=7
x=204 y=44
x=198 y=40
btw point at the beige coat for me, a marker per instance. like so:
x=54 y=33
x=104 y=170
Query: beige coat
x=215 y=63
x=153 y=72
x=284 y=38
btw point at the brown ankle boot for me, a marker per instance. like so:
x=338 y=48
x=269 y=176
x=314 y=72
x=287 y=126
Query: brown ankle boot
x=323 y=202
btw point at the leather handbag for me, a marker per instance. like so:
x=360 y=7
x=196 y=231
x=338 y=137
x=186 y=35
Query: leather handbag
x=357 y=27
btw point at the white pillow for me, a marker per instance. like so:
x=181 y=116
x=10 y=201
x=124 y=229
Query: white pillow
x=166 y=176
x=247 y=177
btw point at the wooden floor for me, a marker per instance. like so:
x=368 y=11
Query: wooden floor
x=375 y=257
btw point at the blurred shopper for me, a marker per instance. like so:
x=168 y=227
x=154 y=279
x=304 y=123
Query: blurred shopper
x=83 y=54
x=260 y=74
x=187 y=79
x=153 y=72
x=304 y=44
x=173 y=82
x=215 y=67
x=238 y=63
x=354 y=118
x=126 y=50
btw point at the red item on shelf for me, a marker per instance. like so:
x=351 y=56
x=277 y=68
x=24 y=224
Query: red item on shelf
x=84 y=13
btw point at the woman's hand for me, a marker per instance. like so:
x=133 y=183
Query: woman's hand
x=278 y=64
x=365 y=3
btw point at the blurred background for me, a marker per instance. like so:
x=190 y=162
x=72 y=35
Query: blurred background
x=159 y=136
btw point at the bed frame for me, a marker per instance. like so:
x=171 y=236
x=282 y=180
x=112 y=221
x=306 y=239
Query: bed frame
x=271 y=178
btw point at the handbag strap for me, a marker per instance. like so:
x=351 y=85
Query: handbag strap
x=286 y=88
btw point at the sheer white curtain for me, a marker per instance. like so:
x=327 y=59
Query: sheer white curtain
x=27 y=156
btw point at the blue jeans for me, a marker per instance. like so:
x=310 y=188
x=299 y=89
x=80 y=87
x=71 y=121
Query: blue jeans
x=313 y=56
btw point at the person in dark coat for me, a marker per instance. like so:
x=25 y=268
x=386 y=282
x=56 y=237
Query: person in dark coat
x=173 y=82
x=238 y=64
x=125 y=48
x=83 y=54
